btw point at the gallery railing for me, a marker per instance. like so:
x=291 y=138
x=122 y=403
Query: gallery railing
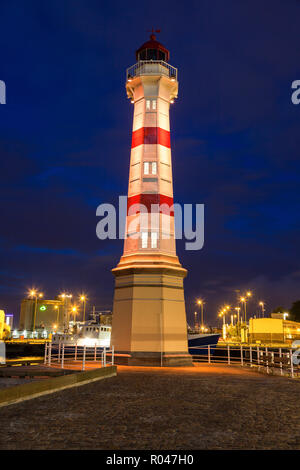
x=151 y=67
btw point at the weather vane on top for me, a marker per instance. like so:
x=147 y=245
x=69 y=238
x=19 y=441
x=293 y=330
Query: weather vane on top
x=152 y=31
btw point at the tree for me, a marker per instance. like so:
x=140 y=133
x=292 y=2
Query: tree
x=279 y=310
x=295 y=311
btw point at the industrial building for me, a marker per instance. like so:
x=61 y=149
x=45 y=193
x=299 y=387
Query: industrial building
x=4 y=327
x=39 y=317
x=273 y=330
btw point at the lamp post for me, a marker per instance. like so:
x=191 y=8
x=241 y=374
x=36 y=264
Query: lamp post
x=56 y=307
x=83 y=299
x=262 y=305
x=34 y=294
x=201 y=303
x=244 y=301
x=222 y=315
x=195 y=320
x=238 y=313
x=74 y=310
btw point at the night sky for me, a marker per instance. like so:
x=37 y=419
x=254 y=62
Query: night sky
x=65 y=137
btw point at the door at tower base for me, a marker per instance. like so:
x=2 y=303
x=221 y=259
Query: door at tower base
x=149 y=319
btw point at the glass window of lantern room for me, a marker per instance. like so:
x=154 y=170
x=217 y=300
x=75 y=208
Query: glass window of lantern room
x=144 y=239
x=146 y=168
x=152 y=54
x=153 y=104
x=153 y=239
x=148 y=105
x=154 y=168
x=161 y=56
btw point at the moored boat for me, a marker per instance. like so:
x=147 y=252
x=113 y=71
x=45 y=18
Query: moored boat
x=199 y=344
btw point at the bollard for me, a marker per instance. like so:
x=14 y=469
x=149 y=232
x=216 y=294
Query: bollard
x=292 y=365
x=280 y=355
x=95 y=354
x=209 y=354
x=104 y=357
x=75 y=358
x=49 y=354
x=242 y=359
x=267 y=361
x=258 y=353
x=228 y=353
x=102 y=360
x=63 y=356
x=83 y=359
x=250 y=356
x=59 y=351
x=112 y=355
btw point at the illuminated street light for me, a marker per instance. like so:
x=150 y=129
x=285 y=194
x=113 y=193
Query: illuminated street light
x=83 y=299
x=56 y=307
x=262 y=305
x=195 y=320
x=74 y=310
x=238 y=313
x=201 y=303
x=244 y=301
x=33 y=293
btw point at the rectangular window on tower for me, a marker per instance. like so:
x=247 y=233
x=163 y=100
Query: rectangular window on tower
x=144 y=239
x=146 y=168
x=153 y=239
x=154 y=104
x=148 y=105
x=154 y=168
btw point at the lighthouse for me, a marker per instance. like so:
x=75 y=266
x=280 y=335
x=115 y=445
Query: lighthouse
x=149 y=319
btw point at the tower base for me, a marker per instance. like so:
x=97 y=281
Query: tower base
x=152 y=359
x=149 y=321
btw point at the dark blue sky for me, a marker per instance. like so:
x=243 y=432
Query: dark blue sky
x=65 y=137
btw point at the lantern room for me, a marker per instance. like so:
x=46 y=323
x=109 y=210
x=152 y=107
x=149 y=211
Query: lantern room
x=152 y=50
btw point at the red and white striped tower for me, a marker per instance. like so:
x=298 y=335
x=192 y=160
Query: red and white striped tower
x=149 y=319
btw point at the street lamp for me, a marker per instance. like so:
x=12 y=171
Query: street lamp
x=262 y=305
x=34 y=294
x=238 y=313
x=222 y=315
x=201 y=303
x=195 y=320
x=74 y=310
x=244 y=301
x=56 y=307
x=83 y=299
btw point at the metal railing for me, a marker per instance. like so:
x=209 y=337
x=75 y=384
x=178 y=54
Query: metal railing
x=151 y=67
x=281 y=361
x=78 y=357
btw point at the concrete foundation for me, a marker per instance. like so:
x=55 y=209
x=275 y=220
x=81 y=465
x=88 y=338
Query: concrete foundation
x=149 y=319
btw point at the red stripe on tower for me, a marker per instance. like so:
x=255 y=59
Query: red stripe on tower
x=151 y=135
x=147 y=200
